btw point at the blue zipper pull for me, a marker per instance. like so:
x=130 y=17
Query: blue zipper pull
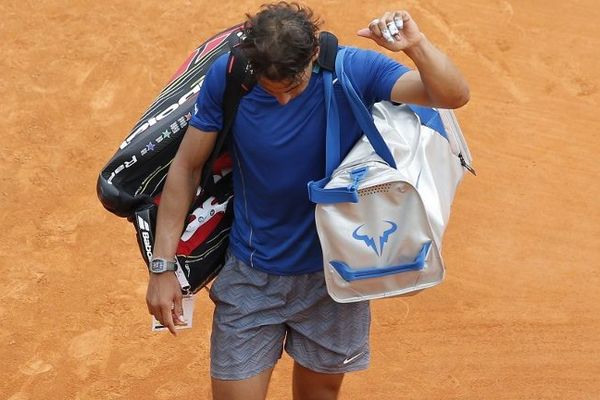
x=357 y=175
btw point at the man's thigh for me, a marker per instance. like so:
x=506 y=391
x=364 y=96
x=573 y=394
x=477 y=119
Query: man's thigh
x=248 y=331
x=323 y=335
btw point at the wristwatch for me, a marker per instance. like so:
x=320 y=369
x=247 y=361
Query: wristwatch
x=160 y=265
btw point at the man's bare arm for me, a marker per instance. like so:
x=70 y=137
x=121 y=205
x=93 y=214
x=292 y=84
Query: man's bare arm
x=180 y=189
x=436 y=82
x=163 y=296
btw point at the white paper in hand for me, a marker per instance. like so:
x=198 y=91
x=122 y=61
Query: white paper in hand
x=188 y=314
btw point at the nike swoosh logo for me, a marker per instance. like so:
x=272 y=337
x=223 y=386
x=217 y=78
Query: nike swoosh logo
x=349 y=360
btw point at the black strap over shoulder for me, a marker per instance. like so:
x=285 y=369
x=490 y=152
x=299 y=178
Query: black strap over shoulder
x=240 y=80
x=328 y=44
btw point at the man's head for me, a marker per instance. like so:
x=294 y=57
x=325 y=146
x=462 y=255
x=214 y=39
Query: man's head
x=281 y=42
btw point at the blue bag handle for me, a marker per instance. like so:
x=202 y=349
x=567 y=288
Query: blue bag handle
x=349 y=274
x=332 y=138
x=316 y=190
x=362 y=115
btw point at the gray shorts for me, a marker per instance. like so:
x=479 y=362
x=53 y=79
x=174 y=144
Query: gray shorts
x=258 y=314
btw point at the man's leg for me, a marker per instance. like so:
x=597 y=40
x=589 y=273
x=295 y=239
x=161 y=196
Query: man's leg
x=326 y=339
x=311 y=385
x=248 y=331
x=254 y=388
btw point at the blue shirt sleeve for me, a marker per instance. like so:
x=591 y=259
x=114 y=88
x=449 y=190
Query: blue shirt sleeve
x=208 y=111
x=372 y=73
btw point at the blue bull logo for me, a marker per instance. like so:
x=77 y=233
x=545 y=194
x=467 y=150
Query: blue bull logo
x=370 y=241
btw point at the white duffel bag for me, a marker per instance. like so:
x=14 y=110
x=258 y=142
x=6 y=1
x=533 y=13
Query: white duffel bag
x=381 y=223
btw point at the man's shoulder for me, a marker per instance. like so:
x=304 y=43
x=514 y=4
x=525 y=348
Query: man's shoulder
x=220 y=63
x=215 y=78
x=354 y=53
x=358 y=61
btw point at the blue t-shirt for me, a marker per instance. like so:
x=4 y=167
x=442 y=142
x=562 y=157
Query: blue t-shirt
x=277 y=150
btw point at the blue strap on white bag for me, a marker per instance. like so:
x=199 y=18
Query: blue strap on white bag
x=350 y=274
x=332 y=144
x=316 y=191
x=362 y=115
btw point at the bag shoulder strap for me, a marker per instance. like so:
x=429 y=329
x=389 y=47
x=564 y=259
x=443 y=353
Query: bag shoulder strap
x=239 y=81
x=328 y=47
x=361 y=113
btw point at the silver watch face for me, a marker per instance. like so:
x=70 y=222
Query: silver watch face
x=158 y=266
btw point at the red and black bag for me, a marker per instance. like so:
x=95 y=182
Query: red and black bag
x=131 y=182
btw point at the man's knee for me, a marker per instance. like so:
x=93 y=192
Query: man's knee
x=254 y=388
x=311 y=385
x=316 y=392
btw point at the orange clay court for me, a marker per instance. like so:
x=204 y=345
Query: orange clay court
x=518 y=316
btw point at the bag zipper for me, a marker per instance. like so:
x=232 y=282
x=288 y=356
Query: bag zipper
x=465 y=165
x=453 y=129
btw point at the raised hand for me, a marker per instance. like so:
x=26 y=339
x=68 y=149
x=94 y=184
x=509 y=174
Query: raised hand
x=395 y=31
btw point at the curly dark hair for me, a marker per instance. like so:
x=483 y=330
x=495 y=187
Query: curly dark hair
x=280 y=40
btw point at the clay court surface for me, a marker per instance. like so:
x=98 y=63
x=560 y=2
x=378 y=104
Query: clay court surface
x=518 y=316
